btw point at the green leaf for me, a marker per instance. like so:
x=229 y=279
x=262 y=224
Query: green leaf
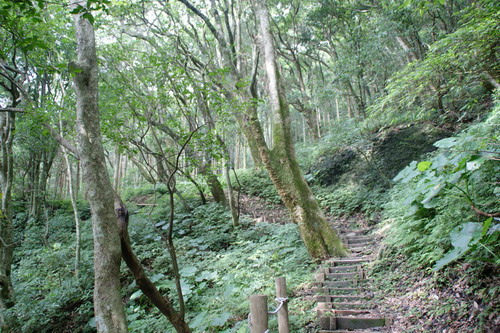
x=446 y=143
x=188 y=271
x=77 y=10
x=486 y=226
x=431 y=194
x=408 y=173
x=221 y=319
x=89 y=17
x=159 y=224
x=136 y=295
x=206 y=276
x=186 y=287
x=199 y=321
x=424 y=165
x=462 y=238
x=157 y=277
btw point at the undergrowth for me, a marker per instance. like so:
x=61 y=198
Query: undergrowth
x=441 y=249
x=220 y=268
x=349 y=199
x=435 y=196
x=460 y=298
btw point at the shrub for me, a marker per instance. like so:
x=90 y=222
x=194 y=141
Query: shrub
x=435 y=196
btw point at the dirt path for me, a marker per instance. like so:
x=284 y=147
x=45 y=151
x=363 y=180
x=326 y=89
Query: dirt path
x=262 y=211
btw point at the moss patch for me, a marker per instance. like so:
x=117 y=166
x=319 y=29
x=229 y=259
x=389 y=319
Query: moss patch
x=396 y=148
x=387 y=153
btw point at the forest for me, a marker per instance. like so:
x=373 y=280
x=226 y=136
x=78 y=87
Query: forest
x=163 y=161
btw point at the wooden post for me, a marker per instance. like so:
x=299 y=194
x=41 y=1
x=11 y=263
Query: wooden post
x=258 y=314
x=283 y=312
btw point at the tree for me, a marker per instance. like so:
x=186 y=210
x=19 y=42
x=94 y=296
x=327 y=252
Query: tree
x=280 y=162
x=108 y=305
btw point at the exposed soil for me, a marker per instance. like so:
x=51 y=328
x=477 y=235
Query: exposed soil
x=144 y=199
x=262 y=211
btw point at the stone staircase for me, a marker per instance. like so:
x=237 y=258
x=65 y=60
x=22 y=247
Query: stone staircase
x=343 y=292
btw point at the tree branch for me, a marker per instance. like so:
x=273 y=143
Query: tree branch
x=62 y=141
x=481 y=213
x=147 y=287
x=205 y=19
x=8 y=109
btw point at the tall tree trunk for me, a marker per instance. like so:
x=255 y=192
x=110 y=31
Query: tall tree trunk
x=7 y=123
x=108 y=305
x=72 y=196
x=310 y=116
x=213 y=181
x=281 y=163
x=206 y=169
x=304 y=106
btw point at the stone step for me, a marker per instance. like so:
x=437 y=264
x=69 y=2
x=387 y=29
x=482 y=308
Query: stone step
x=324 y=286
x=358 y=244
x=352 y=312
x=330 y=322
x=356 y=239
x=337 y=290
x=349 y=331
x=341 y=312
x=359 y=322
x=350 y=261
x=343 y=291
x=345 y=305
x=342 y=276
x=339 y=269
x=340 y=284
x=357 y=232
x=339 y=298
x=361 y=249
x=351 y=305
x=322 y=277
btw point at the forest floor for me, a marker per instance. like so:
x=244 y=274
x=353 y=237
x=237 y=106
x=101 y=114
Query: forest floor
x=422 y=301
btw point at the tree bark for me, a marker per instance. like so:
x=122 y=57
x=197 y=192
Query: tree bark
x=108 y=305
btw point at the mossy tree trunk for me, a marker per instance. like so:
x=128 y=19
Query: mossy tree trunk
x=280 y=161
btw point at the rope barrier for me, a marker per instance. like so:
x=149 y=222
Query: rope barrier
x=281 y=300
